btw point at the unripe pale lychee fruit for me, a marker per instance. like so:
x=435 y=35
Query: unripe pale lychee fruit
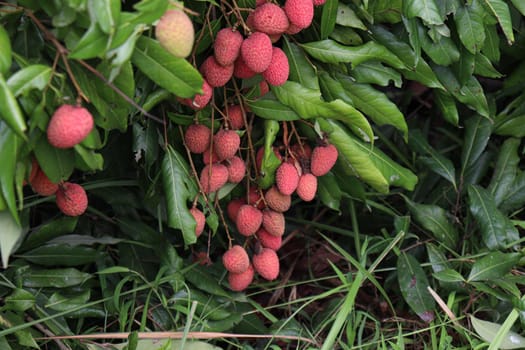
x=323 y=159
x=240 y=281
x=286 y=178
x=227 y=46
x=175 y=33
x=68 y=126
x=42 y=185
x=209 y=156
x=199 y=101
x=213 y=177
x=256 y=51
x=200 y=220
x=226 y=143
x=236 y=169
x=241 y=70
x=300 y=12
x=236 y=259
x=197 y=138
x=277 y=72
x=71 y=199
x=235 y=117
x=269 y=241
x=269 y=18
x=215 y=74
x=233 y=208
x=273 y=222
x=266 y=263
x=307 y=187
x=248 y=220
x=277 y=201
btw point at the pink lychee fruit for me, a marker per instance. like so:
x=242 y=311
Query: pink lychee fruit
x=69 y=125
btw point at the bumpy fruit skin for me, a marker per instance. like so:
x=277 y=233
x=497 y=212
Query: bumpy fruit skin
x=293 y=29
x=233 y=207
x=42 y=185
x=266 y=263
x=241 y=70
x=286 y=178
x=236 y=169
x=226 y=143
x=215 y=74
x=213 y=181
x=307 y=187
x=209 y=157
x=248 y=220
x=200 y=221
x=175 y=33
x=236 y=259
x=68 y=126
x=71 y=199
x=199 y=101
x=323 y=159
x=319 y=2
x=240 y=281
x=227 y=46
x=277 y=201
x=300 y=12
x=264 y=88
x=273 y=222
x=197 y=138
x=270 y=19
x=235 y=118
x=269 y=241
x=277 y=72
x=256 y=52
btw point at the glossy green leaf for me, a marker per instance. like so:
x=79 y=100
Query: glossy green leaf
x=53 y=278
x=173 y=74
x=11 y=235
x=61 y=254
x=398 y=47
x=464 y=67
x=106 y=13
x=93 y=43
x=470 y=28
x=443 y=52
x=519 y=5
x=179 y=189
x=491 y=47
x=270 y=162
x=64 y=17
x=10 y=111
x=348 y=18
x=35 y=76
x=59 y=302
x=5 y=53
x=87 y=159
x=447 y=105
x=423 y=74
x=20 y=300
x=493 y=266
x=329 y=192
x=477 y=134
x=346 y=36
x=150 y=10
x=328 y=17
x=449 y=276
x=79 y=240
x=203 y=279
x=500 y=10
x=511 y=126
x=484 y=68
x=329 y=51
x=413 y=283
x=373 y=72
x=496 y=229
x=427 y=10
x=515 y=197
x=505 y=170
x=9 y=148
x=301 y=70
x=489 y=330
x=49 y=230
x=437 y=258
x=268 y=107
x=57 y=164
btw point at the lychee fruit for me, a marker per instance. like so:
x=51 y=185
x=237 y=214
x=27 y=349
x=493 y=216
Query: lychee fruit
x=42 y=185
x=300 y=12
x=71 y=199
x=175 y=33
x=301 y=151
x=215 y=74
x=213 y=177
x=286 y=178
x=269 y=241
x=236 y=259
x=263 y=88
x=236 y=169
x=256 y=51
x=276 y=200
x=233 y=208
x=241 y=70
x=69 y=125
x=293 y=29
x=307 y=187
x=266 y=263
x=227 y=46
x=240 y=281
x=319 y=2
x=209 y=156
x=197 y=138
x=248 y=219
x=270 y=18
x=235 y=117
x=226 y=143
x=273 y=222
x=323 y=159
x=200 y=220
x=199 y=101
x=277 y=72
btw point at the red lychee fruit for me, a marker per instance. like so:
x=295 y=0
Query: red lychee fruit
x=273 y=222
x=215 y=74
x=175 y=33
x=323 y=159
x=263 y=88
x=199 y=101
x=213 y=177
x=248 y=220
x=200 y=220
x=269 y=241
x=255 y=198
x=227 y=46
x=226 y=143
x=236 y=259
x=42 y=185
x=301 y=151
x=240 y=281
x=307 y=187
x=319 y=2
x=233 y=208
x=266 y=263
x=277 y=201
x=293 y=29
x=277 y=72
x=236 y=169
x=197 y=138
x=235 y=117
x=256 y=51
x=241 y=70
x=209 y=158
x=68 y=126
x=286 y=178
x=269 y=18
x=71 y=199
x=261 y=2
x=300 y=12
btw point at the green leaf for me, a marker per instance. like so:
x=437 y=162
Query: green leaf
x=329 y=51
x=5 y=53
x=483 y=67
x=471 y=30
x=493 y=266
x=179 y=189
x=20 y=300
x=77 y=240
x=9 y=148
x=106 y=13
x=57 y=164
x=449 y=276
x=489 y=330
x=268 y=107
x=442 y=52
x=423 y=74
x=11 y=235
x=93 y=43
x=374 y=72
x=53 y=278
x=10 y=111
x=427 y=10
x=328 y=17
x=515 y=197
x=59 y=302
x=505 y=170
x=500 y=10
x=398 y=47
x=150 y=10
x=173 y=74
x=519 y=5
x=163 y=344
x=447 y=106
x=61 y=254
x=88 y=159
x=270 y=162
x=301 y=70
x=492 y=43
x=329 y=191
x=35 y=76
x=464 y=67
x=348 y=18
x=511 y=126
x=47 y=231
x=496 y=229
x=413 y=283
x=477 y=134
